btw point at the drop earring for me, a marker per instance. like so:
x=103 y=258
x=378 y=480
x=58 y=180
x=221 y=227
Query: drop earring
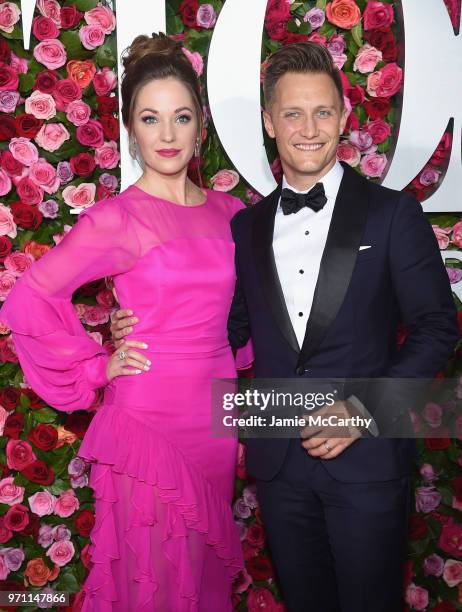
x=133 y=148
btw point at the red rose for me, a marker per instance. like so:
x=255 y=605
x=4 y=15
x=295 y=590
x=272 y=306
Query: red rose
x=43 y=436
x=352 y=123
x=260 y=567
x=7 y=127
x=27 y=125
x=384 y=40
x=256 y=535
x=377 y=15
x=418 y=528
x=90 y=134
x=66 y=91
x=378 y=129
x=29 y=192
x=111 y=127
x=102 y=192
x=14 y=425
x=188 y=11
x=39 y=472
x=36 y=402
x=276 y=18
x=84 y=522
x=46 y=81
x=16 y=517
x=83 y=164
x=457 y=488
x=260 y=598
x=377 y=108
x=5 y=51
x=434 y=444
x=11 y=165
x=78 y=422
x=9 y=397
x=44 y=27
x=355 y=94
x=451 y=539
x=9 y=80
x=107 y=105
x=444 y=606
x=5 y=247
x=291 y=37
x=26 y=216
x=33 y=526
x=70 y=17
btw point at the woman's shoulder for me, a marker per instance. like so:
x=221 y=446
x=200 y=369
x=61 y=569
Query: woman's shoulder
x=229 y=202
x=111 y=210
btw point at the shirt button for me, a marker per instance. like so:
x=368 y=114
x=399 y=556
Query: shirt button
x=306 y=233
x=301 y=271
x=300 y=314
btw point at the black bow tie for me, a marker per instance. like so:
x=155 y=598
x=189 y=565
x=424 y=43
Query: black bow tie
x=292 y=202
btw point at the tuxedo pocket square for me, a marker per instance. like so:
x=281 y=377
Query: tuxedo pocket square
x=362 y=248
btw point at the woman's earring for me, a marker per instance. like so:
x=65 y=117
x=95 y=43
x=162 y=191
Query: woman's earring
x=197 y=148
x=132 y=147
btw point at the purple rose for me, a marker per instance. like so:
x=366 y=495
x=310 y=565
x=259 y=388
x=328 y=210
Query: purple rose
x=45 y=537
x=78 y=482
x=427 y=499
x=428 y=473
x=433 y=565
x=64 y=172
x=8 y=101
x=44 y=604
x=61 y=532
x=13 y=558
x=336 y=44
x=432 y=414
x=206 y=16
x=241 y=509
x=455 y=275
x=49 y=209
x=109 y=181
x=76 y=467
x=249 y=495
x=362 y=140
x=315 y=18
x=429 y=176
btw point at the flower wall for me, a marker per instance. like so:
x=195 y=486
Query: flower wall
x=59 y=136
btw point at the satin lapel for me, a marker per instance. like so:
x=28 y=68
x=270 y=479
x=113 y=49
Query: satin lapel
x=262 y=238
x=338 y=259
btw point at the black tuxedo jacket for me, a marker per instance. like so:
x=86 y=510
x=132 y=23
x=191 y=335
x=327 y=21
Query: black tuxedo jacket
x=360 y=297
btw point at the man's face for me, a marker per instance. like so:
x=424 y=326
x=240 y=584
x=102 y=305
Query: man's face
x=306 y=118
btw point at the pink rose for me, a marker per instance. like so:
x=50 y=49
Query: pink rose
x=3 y=414
x=7 y=224
x=66 y=504
x=107 y=156
x=103 y=17
x=19 y=454
x=44 y=28
x=78 y=112
x=80 y=197
x=91 y=36
x=456 y=234
x=196 y=60
x=428 y=473
x=41 y=105
x=452 y=573
x=42 y=503
x=9 y=16
x=104 y=81
x=441 y=234
x=367 y=59
x=51 y=9
x=20 y=64
x=10 y=493
x=373 y=164
x=5 y=182
x=432 y=414
x=29 y=192
x=348 y=153
x=4 y=570
x=318 y=38
x=17 y=263
x=339 y=60
x=225 y=180
x=61 y=552
x=95 y=315
x=91 y=134
x=377 y=15
x=206 y=16
x=51 y=136
x=23 y=150
x=385 y=82
x=44 y=175
x=51 y=53
x=378 y=129
x=417 y=597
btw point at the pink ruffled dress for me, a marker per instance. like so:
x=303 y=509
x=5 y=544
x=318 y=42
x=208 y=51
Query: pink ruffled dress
x=164 y=538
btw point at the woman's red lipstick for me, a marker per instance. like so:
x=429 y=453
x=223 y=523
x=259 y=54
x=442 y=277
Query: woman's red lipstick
x=168 y=152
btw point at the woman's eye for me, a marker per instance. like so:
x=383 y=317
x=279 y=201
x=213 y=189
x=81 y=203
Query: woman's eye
x=149 y=119
x=183 y=119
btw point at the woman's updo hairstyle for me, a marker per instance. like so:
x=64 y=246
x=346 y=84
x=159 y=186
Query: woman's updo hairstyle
x=151 y=58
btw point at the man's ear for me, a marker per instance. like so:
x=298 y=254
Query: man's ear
x=343 y=119
x=268 y=124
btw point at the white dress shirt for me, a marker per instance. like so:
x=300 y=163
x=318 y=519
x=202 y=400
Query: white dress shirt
x=298 y=244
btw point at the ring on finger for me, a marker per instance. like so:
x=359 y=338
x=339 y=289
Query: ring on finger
x=122 y=355
x=328 y=447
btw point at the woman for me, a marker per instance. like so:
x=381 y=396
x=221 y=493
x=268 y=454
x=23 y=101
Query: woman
x=164 y=537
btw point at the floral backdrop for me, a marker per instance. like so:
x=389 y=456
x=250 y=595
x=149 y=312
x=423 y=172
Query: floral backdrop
x=59 y=136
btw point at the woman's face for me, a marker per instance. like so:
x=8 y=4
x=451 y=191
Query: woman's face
x=165 y=126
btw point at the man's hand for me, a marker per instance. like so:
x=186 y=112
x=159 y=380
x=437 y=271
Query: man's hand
x=325 y=441
x=122 y=322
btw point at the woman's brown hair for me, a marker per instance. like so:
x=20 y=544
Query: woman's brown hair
x=151 y=58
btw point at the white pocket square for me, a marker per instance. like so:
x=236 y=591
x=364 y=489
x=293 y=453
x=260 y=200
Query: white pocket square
x=362 y=248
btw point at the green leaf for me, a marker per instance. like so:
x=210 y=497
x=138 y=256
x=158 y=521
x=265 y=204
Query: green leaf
x=357 y=33
x=384 y=146
x=105 y=56
x=84 y=5
x=67 y=581
x=26 y=82
x=74 y=48
x=321 y=4
x=45 y=415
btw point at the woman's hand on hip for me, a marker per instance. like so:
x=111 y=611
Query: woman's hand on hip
x=127 y=362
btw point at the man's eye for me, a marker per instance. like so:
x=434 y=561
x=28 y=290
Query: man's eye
x=292 y=115
x=149 y=119
x=324 y=113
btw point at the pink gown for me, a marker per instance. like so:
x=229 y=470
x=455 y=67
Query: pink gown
x=164 y=539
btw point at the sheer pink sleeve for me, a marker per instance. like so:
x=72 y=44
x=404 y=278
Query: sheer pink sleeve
x=61 y=362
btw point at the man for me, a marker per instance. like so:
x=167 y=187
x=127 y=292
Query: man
x=323 y=281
